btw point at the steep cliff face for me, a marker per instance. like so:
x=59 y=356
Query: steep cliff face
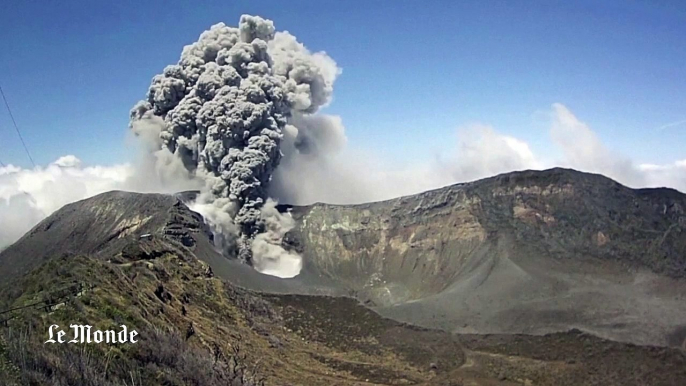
x=410 y=247
x=530 y=252
x=397 y=250
x=573 y=214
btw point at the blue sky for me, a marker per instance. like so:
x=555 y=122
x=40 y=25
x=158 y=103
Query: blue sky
x=413 y=71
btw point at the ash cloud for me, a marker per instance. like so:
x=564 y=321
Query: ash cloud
x=221 y=114
x=274 y=260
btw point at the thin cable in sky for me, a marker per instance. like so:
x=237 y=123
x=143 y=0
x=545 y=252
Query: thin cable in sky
x=16 y=127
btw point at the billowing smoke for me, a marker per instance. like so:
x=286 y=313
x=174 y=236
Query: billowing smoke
x=222 y=112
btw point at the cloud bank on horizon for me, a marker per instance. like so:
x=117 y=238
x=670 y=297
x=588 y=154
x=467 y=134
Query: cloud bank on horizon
x=237 y=118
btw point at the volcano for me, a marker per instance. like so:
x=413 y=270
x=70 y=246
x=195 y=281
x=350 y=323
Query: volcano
x=525 y=255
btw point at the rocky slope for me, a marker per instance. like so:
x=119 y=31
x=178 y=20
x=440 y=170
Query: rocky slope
x=107 y=224
x=525 y=252
x=196 y=329
x=424 y=241
x=531 y=252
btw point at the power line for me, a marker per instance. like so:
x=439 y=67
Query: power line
x=71 y=289
x=30 y=197
x=50 y=300
x=14 y=122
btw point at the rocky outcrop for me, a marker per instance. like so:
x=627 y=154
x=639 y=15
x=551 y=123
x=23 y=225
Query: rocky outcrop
x=532 y=252
x=411 y=247
x=526 y=252
x=103 y=226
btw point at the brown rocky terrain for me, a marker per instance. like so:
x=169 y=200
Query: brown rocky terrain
x=549 y=265
x=525 y=252
x=196 y=329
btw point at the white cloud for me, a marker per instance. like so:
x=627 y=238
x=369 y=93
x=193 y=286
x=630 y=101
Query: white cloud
x=583 y=150
x=483 y=152
x=670 y=175
x=68 y=161
x=351 y=176
x=28 y=195
x=61 y=182
x=17 y=215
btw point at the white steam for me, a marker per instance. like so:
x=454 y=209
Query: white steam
x=270 y=257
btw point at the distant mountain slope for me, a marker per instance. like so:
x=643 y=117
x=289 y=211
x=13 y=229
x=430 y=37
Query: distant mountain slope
x=533 y=251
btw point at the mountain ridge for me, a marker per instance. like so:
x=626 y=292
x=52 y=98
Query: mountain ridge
x=522 y=252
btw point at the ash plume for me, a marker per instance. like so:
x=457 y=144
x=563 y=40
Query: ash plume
x=221 y=113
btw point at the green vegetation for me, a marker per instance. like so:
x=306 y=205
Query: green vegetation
x=106 y=298
x=197 y=330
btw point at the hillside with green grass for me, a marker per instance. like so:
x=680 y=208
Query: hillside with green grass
x=196 y=329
